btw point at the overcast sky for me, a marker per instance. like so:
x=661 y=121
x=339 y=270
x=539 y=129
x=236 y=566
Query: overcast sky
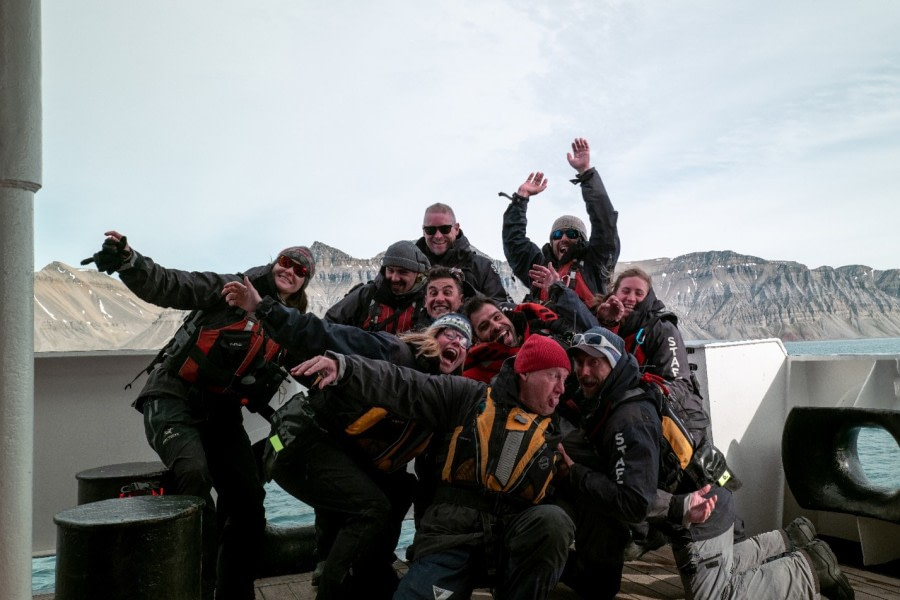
x=214 y=134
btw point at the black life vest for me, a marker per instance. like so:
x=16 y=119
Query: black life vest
x=504 y=451
x=233 y=356
x=387 y=440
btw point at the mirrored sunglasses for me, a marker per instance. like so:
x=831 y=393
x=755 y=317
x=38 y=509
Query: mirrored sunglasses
x=290 y=263
x=593 y=339
x=454 y=336
x=432 y=229
x=572 y=234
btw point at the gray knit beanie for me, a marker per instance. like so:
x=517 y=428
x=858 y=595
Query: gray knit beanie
x=570 y=222
x=405 y=255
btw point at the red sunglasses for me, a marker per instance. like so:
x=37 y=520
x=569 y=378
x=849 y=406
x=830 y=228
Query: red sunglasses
x=290 y=263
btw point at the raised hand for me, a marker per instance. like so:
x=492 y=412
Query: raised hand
x=534 y=184
x=543 y=277
x=113 y=254
x=610 y=310
x=580 y=157
x=242 y=295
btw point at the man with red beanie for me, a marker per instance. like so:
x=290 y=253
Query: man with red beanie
x=488 y=520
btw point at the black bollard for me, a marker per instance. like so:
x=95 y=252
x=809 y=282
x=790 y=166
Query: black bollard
x=142 y=548
x=124 y=480
x=288 y=550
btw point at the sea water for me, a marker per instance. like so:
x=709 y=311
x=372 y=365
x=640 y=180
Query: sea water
x=878 y=452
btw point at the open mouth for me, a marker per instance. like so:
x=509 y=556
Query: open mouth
x=504 y=336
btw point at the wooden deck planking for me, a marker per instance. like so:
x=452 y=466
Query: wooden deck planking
x=653 y=577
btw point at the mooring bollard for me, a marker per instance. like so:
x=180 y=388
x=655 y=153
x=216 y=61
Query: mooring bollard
x=142 y=548
x=124 y=480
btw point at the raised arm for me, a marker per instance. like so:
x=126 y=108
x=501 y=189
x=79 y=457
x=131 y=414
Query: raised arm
x=603 y=244
x=439 y=401
x=521 y=253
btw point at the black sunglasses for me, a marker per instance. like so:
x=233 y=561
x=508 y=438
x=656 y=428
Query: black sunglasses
x=572 y=234
x=432 y=229
x=289 y=263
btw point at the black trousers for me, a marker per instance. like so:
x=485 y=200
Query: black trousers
x=361 y=511
x=205 y=445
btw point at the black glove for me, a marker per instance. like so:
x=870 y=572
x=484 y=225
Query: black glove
x=111 y=256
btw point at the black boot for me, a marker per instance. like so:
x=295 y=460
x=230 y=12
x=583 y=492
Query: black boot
x=833 y=584
x=801 y=533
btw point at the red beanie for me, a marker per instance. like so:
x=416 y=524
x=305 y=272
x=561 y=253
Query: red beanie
x=541 y=352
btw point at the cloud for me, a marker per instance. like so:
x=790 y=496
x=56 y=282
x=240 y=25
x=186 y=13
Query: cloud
x=215 y=133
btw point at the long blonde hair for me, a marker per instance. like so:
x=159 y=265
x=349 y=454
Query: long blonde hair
x=425 y=342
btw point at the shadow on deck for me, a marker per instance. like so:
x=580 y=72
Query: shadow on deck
x=653 y=577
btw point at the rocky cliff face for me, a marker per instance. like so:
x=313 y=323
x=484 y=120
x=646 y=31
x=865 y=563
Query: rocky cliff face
x=717 y=295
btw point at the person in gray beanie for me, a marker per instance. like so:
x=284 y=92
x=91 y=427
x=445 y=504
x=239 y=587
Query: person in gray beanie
x=584 y=261
x=394 y=300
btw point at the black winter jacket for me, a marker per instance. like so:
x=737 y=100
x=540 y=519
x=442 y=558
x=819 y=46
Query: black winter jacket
x=651 y=333
x=479 y=271
x=357 y=305
x=186 y=290
x=445 y=403
x=598 y=256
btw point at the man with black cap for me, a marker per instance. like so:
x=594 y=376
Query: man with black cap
x=585 y=263
x=194 y=394
x=394 y=301
x=613 y=460
x=499 y=447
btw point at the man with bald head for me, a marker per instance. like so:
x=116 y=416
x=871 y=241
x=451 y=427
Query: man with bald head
x=444 y=243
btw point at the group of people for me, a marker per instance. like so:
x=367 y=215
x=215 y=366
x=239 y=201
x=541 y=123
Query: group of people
x=526 y=437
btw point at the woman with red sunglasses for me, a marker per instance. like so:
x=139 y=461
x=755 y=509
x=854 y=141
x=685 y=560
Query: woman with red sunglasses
x=194 y=394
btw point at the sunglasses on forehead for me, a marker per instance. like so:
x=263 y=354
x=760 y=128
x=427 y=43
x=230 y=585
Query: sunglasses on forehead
x=290 y=263
x=593 y=339
x=572 y=234
x=432 y=229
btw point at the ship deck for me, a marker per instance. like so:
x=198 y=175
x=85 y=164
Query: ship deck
x=653 y=577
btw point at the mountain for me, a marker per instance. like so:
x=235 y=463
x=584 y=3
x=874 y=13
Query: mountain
x=717 y=295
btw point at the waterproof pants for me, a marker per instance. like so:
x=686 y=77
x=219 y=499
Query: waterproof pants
x=754 y=568
x=533 y=549
x=205 y=445
x=316 y=471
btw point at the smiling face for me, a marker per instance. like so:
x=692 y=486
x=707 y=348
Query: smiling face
x=591 y=372
x=453 y=350
x=442 y=296
x=489 y=324
x=539 y=391
x=439 y=243
x=400 y=280
x=631 y=291
x=562 y=245
x=287 y=281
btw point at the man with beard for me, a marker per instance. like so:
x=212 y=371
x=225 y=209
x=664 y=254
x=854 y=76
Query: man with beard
x=613 y=460
x=498 y=445
x=500 y=333
x=444 y=243
x=585 y=264
x=393 y=302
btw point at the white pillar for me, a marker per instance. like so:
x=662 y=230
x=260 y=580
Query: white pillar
x=20 y=176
